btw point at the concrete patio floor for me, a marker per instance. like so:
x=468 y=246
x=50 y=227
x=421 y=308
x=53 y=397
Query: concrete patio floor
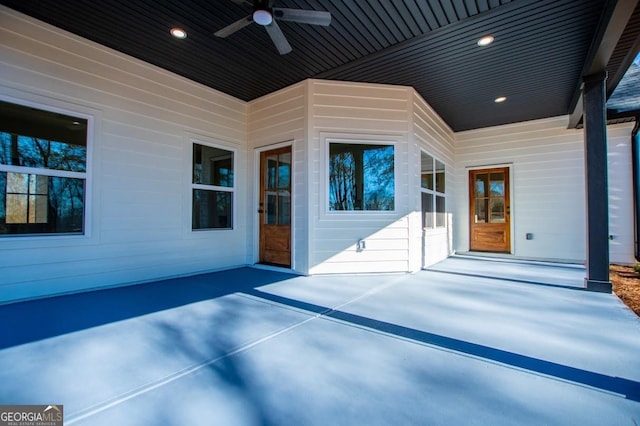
x=469 y=341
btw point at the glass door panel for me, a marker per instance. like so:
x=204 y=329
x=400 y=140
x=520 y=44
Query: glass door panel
x=496 y=185
x=481 y=197
x=481 y=211
x=278 y=189
x=497 y=210
x=481 y=185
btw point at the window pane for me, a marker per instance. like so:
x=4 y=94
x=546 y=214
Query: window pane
x=496 y=184
x=36 y=204
x=271 y=215
x=212 y=166
x=284 y=171
x=212 y=209
x=41 y=153
x=17 y=208
x=361 y=177
x=481 y=185
x=271 y=180
x=278 y=211
x=427 y=210
x=284 y=208
x=441 y=215
x=497 y=210
x=426 y=171
x=481 y=211
x=439 y=176
x=31 y=137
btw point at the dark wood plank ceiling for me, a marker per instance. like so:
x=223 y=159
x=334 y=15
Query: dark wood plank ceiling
x=536 y=60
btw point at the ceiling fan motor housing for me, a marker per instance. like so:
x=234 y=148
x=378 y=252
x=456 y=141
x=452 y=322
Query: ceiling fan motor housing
x=262 y=17
x=265 y=15
x=262 y=13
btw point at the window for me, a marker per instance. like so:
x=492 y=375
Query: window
x=43 y=171
x=432 y=187
x=212 y=188
x=361 y=177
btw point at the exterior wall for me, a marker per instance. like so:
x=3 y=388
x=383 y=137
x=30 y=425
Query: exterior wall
x=431 y=134
x=144 y=120
x=139 y=201
x=620 y=194
x=275 y=119
x=547 y=186
x=354 y=111
x=309 y=114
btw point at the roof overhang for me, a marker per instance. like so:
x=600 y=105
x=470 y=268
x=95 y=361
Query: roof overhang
x=614 y=20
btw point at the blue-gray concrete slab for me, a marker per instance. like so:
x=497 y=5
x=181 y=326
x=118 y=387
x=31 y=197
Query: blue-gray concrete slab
x=454 y=344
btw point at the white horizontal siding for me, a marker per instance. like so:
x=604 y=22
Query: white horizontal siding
x=139 y=170
x=386 y=247
x=437 y=245
x=277 y=117
x=371 y=109
x=432 y=135
x=280 y=117
x=621 y=249
x=356 y=111
x=548 y=189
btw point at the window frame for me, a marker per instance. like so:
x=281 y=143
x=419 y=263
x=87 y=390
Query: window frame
x=327 y=176
x=433 y=192
x=233 y=152
x=86 y=176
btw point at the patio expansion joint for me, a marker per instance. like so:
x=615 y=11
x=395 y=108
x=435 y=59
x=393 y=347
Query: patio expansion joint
x=150 y=386
x=337 y=313
x=598 y=382
x=73 y=418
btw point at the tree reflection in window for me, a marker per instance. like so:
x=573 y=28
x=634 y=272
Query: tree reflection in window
x=43 y=165
x=27 y=151
x=361 y=177
x=213 y=186
x=432 y=187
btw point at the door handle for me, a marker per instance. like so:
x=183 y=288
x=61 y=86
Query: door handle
x=260 y=211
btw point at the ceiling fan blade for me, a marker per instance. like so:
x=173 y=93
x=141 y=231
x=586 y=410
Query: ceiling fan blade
x=242 y=3
x=313 y=17
x=230 y=29
x=278 y=38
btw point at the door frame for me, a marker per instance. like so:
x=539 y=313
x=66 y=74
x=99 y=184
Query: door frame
x=512 y=217
x=255 y=205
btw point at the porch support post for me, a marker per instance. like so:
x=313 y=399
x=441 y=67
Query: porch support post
x=597 y=198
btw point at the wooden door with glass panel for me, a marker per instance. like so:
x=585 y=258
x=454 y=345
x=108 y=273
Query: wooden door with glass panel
x=275 y=207
x=490 y=227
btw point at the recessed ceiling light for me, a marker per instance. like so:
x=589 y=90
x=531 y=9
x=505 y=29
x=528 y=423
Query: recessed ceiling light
x=485 y=41
x=178 y=33
x=500 y=99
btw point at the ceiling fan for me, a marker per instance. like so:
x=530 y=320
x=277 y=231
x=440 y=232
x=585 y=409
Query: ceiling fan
x=266 y=15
